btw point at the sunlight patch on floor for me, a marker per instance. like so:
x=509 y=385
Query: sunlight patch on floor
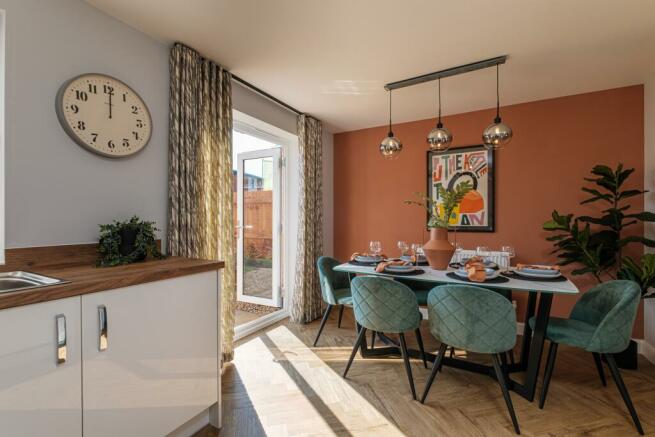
x=283 y=376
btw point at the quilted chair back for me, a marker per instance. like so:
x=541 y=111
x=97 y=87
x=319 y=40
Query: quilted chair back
x=612 y=308
x=384 y=305
x=329 y=279
x=472 y=318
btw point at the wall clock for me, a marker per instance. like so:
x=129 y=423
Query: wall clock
x=104 y=115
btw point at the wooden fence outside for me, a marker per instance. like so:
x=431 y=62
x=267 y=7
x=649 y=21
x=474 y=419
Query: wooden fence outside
x=258 y=215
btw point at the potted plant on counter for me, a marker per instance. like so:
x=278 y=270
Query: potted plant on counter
x=127 y=242
x=438 y=250
x=596 y=245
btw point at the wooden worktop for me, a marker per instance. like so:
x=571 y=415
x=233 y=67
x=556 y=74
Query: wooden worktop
x=76 y=264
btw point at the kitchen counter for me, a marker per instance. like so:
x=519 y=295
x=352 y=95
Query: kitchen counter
x=84 y=277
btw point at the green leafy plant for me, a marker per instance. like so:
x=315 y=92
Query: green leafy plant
x=643 y=273
x=112 y=247
x=597 y=243
x=440 y=211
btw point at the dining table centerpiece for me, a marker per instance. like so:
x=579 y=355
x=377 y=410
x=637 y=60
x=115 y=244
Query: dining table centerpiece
x=438 y=250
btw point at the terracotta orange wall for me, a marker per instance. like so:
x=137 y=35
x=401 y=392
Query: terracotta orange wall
x=556 y=142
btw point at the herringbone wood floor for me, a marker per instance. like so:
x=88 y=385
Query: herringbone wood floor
x=279 y=385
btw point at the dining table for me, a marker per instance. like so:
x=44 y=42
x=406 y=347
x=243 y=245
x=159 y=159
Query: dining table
x=540 y=297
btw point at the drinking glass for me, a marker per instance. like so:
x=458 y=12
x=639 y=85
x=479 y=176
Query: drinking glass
x=404 y=247
x=458 y=251
x=417 y=251
x=508 y=254
x=482 y=251
x=375 y=247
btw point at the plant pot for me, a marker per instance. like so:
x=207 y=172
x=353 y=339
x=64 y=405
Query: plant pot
x=438 y=250
x=128 y=243
x=628 y=358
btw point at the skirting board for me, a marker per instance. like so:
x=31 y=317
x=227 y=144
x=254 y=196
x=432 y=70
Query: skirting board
x=257 y=324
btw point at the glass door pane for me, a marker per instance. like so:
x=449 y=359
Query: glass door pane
x=258 y=208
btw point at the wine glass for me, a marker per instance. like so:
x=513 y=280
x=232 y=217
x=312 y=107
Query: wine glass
x=375 y=247
x=404 y=247
x=482 y=251
x=508 y=254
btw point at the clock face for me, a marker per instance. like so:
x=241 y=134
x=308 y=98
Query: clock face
x=104 y=115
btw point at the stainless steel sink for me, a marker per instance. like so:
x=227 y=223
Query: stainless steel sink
x=15 y=281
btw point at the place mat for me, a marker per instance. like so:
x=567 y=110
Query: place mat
x=412 y=273
x=513 y=275
x=496 y=280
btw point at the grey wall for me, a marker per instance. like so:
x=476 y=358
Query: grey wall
x=57 y=192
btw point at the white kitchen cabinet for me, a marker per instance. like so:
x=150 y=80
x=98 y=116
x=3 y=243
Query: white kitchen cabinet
x=157 y=368
x=40 y=396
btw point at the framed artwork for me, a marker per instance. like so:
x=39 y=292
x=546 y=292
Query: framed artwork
x=472 y=163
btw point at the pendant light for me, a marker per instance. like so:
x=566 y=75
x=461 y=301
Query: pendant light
x=439 y=137
x=390 y=146
x=497 y=134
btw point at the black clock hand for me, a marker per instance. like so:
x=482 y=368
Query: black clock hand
x=110 y=105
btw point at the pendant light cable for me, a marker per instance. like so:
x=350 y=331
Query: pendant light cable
x=497 y=120
x=439 y=124
x=390 y=131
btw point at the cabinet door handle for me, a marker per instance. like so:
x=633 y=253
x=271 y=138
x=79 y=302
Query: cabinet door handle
x=102 y=325
x=62 y=350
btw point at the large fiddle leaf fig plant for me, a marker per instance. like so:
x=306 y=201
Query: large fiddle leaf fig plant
x=596 y=244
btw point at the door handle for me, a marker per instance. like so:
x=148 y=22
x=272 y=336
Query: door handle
x=102 y=327
x=62 y=349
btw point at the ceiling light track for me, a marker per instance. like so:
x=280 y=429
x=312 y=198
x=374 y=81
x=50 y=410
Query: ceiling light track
x=454 y=71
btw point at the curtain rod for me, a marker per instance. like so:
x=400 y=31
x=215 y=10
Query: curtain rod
x=251 y=86
x=265 y=94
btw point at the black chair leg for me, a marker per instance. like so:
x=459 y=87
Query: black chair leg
x=372 y=339
x=408 y=369
x=358 y=342
x=325 y=317
x=614 y=370
x=419 y=340
x=452 y=351
x=340 y=316
x=503 y=387
x=599 y=367
x=435 y=369
x=511 y=356
x=548 y=373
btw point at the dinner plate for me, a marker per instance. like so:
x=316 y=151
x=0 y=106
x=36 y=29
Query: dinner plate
x=368 y=259
x=536 y=275
x=408 y=258
x=400 y=269
x=491 y=273
x=543 y=272
x=487 y=263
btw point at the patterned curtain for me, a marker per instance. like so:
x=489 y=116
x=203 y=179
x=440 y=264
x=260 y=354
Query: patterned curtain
x=307 y=304
x=200 y=223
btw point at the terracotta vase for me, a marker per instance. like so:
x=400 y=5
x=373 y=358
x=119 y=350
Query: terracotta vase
x=438 y=250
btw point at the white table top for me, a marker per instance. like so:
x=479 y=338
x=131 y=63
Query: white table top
x=430 y=275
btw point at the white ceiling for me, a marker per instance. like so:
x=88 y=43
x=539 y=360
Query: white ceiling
x=331 y=58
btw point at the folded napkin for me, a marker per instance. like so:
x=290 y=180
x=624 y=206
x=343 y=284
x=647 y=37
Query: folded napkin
x=356 y=254
x=383 y=265
x=537 y=267
x=475 y=269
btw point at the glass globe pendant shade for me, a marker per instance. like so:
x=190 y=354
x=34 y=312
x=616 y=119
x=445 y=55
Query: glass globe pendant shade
x=390 y=146
x=496 y=135
x=439 y=138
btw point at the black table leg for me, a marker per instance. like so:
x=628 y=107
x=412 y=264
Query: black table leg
x=528 y=388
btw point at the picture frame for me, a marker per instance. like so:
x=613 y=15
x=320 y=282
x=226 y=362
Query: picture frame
x=476 y=213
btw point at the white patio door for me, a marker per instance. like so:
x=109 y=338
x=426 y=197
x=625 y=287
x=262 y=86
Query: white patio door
x=259 y=227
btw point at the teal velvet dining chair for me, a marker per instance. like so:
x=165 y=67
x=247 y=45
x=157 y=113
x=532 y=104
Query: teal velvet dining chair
x=335 y=289
x=601 y=323
x=477 y=320
x=384 y=305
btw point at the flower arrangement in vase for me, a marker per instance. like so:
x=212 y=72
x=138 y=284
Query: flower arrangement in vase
x=438 y=250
